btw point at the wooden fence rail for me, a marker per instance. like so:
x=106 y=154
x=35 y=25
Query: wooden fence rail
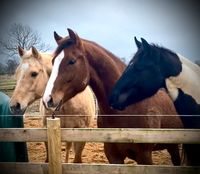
x=125 y=135
x=42 y=168
x=54 y=135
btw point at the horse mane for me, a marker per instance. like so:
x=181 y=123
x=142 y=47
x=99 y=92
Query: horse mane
x=111 y=55
x=68 y=43
x=162 y=50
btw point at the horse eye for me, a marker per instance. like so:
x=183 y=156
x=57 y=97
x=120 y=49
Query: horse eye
x=71 y=62
x=34 y=74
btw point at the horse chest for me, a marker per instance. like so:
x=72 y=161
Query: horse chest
x=188 y=107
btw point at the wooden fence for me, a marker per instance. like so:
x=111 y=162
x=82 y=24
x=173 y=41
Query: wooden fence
x=53 y=134
x=7 y=84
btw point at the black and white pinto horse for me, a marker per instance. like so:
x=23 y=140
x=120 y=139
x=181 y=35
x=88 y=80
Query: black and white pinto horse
x=154 y=67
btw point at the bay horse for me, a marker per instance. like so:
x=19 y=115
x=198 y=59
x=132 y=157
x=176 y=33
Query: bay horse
x=85 y=62
x=32 y=75
x=154 y=67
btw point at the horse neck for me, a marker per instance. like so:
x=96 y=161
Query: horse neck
x=105 y=70
x=188 y=80
x=47 y=62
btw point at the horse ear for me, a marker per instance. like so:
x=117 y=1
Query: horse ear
x=74 y=37
x=57 y=37
x=138 y=43
x=35 y=52
x=21 y=51
x=145 y=44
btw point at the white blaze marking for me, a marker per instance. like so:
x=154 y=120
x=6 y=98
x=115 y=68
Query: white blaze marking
x=23 y=68
x=54 y=74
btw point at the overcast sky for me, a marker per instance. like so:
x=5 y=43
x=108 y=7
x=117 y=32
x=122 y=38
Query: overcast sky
x=174 y=24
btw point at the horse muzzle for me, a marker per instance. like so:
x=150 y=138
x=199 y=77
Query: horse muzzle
x=17 y=109
x=50 y=103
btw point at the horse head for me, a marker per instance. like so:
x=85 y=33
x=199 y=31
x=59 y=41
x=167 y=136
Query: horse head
x=31 y=80
x=141 y=79
x=70 y=74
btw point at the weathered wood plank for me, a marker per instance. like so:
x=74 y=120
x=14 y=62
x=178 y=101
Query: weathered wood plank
x=189 y=136
x=127 y=169
x=23 y=134
x=132 y=135
x=23 y=168
x=42 y=168
x=7 y=87
x=8 y=82
x=54 y=145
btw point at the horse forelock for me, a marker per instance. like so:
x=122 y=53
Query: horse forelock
x=65 y=43
x=27 y=54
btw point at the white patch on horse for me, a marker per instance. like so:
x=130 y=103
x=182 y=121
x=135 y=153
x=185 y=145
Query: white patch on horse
x=188 y=80
x=172 y=89
x=24 y=67
x=53 y=76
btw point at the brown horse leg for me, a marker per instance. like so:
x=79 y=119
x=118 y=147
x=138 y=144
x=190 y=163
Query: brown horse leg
x=78 y=149
x=174 y=153
x=112 y=154
x=47 y=156
x=145 y=158
x=144 y=155
x=67 y=149
x=192 y=152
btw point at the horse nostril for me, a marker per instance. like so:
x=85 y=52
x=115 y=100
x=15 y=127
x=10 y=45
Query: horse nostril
x=15 y=108
x=50 y=102
x=18 y=106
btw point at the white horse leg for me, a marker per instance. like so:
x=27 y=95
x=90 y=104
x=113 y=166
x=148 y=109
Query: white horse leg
x=67 y=149
x=78 y=149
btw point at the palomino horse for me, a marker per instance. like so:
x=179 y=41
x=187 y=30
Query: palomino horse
x=84 y=63
x=155 y=67
x=32 y=75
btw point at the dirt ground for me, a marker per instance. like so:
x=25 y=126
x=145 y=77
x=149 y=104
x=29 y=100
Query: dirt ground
x=92 y=153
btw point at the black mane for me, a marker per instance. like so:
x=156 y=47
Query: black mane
x=163 y=51
x=166 y=58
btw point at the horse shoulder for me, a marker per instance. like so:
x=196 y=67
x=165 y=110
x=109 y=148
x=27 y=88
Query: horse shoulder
x=187 y=80
x=85 y=102
x=83 y=106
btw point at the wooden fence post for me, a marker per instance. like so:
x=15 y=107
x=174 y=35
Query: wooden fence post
x=54 y=145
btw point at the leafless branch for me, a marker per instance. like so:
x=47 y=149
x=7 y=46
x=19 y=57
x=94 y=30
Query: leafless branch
x=23 y=36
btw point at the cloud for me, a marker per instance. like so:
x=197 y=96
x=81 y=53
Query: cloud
x=113 y=24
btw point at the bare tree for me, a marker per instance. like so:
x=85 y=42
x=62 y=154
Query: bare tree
x=23 y=36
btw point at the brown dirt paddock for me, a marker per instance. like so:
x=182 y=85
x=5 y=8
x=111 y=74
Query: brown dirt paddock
x=92 y=153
